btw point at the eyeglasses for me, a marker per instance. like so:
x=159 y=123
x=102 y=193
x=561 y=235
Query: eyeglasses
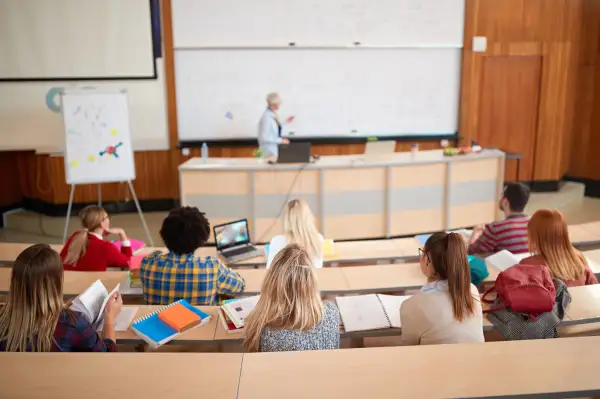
x=422 y=252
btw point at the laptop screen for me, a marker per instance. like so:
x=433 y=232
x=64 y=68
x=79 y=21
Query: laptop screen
x=232 y=234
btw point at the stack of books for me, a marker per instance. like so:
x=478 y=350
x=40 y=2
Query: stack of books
x=233 y=313
x=134 y=272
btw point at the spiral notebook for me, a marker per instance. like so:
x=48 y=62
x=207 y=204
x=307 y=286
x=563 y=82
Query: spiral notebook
x=156 y=332
x=370 y=312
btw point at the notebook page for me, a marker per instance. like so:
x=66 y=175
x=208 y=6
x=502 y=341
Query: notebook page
x=501 y=260
x=362 y=312
x=391 y=304
x=93 y=298
x=100 y=314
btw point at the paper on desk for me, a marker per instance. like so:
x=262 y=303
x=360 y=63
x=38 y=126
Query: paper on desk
x=391 y=304
x=362 y=312
x=502 y=260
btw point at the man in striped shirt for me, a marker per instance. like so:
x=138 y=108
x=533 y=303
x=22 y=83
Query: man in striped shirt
x=510 y=233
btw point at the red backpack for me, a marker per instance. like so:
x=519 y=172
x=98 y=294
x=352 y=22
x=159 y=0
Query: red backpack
x=524 y=289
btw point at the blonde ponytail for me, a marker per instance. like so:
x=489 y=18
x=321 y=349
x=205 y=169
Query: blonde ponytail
x=299 y=227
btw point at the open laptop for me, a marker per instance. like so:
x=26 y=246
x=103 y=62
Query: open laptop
x=294 y=153
x=233 y=241
x=379 y=150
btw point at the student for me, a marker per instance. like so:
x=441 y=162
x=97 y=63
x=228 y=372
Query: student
x=290 y=315
x=510 y=233
x=87 y=251
x=34 y=318
x=299 y=228
x=549 y=241
x=448 y=308
x=180 y=274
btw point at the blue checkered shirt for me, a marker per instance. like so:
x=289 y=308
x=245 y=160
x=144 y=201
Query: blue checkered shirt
x=167 y=278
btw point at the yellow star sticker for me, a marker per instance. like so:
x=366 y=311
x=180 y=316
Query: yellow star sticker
x=91 y=158
x=74 y=164
x=113 y=132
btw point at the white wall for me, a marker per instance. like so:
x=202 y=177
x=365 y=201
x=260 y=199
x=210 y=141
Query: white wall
x=27 y=123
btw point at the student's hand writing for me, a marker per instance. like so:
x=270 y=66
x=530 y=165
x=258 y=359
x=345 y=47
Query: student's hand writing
x=113 y=306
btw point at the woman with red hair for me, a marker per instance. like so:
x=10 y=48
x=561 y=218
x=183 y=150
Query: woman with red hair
x=549 y=241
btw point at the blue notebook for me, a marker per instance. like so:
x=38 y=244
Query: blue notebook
x=422 y=238
x=266 y=248
x=156 y=332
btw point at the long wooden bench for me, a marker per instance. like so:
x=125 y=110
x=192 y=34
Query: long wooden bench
x=519 y=369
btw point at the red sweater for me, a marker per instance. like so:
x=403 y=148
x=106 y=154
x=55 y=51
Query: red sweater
x=98 y=256
x=587 y=278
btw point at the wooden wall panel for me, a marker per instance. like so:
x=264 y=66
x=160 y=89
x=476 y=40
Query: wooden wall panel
x=548 y=30
x=11 y=192
x=509 y=107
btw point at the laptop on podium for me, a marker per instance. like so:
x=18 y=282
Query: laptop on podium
x=233 y=241
x=294 y=153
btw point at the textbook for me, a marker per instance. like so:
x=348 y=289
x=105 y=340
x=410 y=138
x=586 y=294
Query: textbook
x=226 y=321
x=91 y=303
x=238 y=310
x=370 y=312
x=156 y=332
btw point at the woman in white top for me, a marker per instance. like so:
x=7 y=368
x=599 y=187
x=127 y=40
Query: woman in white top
x=448 y=309
x=270 y=128
x=299 y=228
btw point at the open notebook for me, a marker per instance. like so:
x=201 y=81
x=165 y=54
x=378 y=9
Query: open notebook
x=370 y=312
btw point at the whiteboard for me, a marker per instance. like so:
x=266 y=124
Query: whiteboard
x=332 y=93
x=97 y=137
x=240 y=23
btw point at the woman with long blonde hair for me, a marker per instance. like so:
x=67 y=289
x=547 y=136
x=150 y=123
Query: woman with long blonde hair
x=448 y=309
x=299 y=228
x=34 y=318
x=290 y=315
x=548 y=236
x=87 y=251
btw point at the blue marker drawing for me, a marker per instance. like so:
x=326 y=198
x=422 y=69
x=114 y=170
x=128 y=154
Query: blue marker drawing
x=229 y=115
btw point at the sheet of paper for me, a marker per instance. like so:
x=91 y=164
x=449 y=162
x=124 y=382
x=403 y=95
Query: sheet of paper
x=362 y=312
x=391 y=304
x=502 y=260
x=100 y=314
x=93 y=299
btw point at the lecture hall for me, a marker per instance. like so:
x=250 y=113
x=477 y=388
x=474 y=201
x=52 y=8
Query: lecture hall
x=299 y=199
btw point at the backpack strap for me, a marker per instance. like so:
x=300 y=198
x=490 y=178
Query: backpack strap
x=503 y=306
x=487 y=293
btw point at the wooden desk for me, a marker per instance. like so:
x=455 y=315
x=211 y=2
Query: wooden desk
x=204 y=333
x=585 y=304
x=331 y=280
x=74 y=282
x=10 y=250
x=351 y=198
x=116 y=375
x=542 y=367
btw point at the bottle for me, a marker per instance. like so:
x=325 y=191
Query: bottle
x=204 y=153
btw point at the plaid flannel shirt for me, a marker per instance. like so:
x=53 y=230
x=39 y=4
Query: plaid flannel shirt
x=167 y=278
x=75 y=334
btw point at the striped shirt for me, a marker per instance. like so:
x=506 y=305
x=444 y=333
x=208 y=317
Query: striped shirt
x=509 y=234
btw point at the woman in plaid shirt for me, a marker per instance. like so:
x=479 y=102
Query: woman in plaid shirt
x=35 y=319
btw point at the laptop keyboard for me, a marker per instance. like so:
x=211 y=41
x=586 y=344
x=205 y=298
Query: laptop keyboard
x=239 y=251
x=242 y=253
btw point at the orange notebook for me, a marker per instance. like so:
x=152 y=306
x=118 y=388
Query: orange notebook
x=179 y=317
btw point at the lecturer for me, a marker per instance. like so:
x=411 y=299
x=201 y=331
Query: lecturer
x=270 y=127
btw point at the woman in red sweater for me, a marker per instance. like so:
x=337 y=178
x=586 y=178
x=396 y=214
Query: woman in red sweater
x=86 y=250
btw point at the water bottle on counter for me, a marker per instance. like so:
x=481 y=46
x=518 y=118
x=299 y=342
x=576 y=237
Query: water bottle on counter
x=204 y=153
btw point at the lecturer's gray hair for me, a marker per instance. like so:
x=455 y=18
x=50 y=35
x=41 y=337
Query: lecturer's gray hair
x=273 y=99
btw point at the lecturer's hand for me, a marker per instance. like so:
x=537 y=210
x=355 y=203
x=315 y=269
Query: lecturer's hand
x=290 y=119
x=285 y=141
